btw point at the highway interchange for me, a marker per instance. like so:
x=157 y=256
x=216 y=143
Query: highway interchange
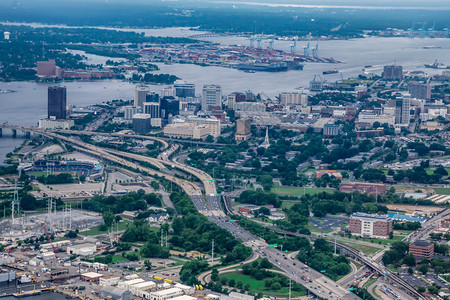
x=315 y=282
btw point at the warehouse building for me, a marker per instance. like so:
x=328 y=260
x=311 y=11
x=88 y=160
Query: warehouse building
x=110 y=292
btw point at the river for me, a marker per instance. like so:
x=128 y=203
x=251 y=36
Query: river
x=29 y=103
x=46 y=296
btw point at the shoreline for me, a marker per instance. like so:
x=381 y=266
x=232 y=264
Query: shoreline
x=197 y=31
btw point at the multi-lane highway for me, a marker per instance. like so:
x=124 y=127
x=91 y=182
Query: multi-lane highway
x=315 y=282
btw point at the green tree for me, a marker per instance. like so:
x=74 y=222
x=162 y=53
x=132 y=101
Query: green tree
x=409 y=260
x=423 y=269
x=215 y=275
x=108 y=218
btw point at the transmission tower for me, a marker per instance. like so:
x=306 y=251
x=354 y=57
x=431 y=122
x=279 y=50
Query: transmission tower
x=212 y=252
x=15 y=204
x=69 y=214
x=49 y=212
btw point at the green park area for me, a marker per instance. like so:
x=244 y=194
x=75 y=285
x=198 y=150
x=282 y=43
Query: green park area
x=296 y=191
x=97 y=230
x=259 y=286
x=366 y=249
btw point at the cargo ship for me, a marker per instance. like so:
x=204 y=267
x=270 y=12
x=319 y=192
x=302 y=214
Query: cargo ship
x=334 y=71
x=268 y=67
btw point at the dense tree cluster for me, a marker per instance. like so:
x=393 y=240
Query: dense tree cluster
x=397 y=254
x=397 y=225
x=10 y=169
x=191 y=270
x=321 y=258
x=289 y=243
x=419 y=174
x=259 y=197
x=118 y=204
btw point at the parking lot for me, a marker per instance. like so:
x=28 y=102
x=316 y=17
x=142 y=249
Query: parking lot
x=328 y=223
x=433 y=278
x=413 y=280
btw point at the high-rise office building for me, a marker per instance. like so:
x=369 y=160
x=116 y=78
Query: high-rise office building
x=184 y=90
x=419 y=90
x=234 y=98
x=140 y=95
x=243 y=129
x=212 y=96
x=130 y=111
x=169 y=106
x=152 y=97
x=168 y=92
x=141 y=123
x=153 y=109
x=393 y=72
x=402 y=108
x=57 y=102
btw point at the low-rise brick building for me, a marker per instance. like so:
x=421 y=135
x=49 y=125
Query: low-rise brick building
x=421 y=248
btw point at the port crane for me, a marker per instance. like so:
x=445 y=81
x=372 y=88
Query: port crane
x=422 y=30
x=259 y=40
x=411 y=31
x=294 y=45
x=431 y=30
x=271 y=43
x=315 y=50
x=306 y=50
x=252 y=41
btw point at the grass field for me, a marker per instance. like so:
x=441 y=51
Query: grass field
x=297 y=191
x=118 y=258
x=442 y=191
x=287 y=204
x=257 y=286
x=381 y=241
x=363 y=248
x=313 y=228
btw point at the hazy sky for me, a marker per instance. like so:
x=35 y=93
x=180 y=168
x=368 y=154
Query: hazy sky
x=387 y=3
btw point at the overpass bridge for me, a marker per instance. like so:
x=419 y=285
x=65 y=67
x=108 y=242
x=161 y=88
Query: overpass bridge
x=357 y=255
x=211 y=209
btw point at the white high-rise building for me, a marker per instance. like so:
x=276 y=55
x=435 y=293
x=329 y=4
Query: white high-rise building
x=140 y=95
x=168 y=92
x=212 y=96
x=130 y=111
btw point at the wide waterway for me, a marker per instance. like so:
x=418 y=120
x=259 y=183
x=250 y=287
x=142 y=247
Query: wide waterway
x=29 y=103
